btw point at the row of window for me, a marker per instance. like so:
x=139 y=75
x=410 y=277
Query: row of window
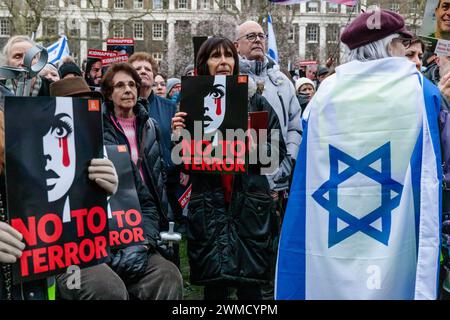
x=95 y=30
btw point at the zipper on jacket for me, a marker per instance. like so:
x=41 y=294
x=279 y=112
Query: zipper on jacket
x=282 y=106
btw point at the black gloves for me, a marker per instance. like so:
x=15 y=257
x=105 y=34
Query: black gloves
x=130 y=263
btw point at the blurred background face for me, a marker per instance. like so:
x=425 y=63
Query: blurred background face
x=414 y=53
x=307 y=89
x=159 y=86
x=444 y=65
x=51 y=75
x=176 y=88
x=96 y=72
x=443 y=16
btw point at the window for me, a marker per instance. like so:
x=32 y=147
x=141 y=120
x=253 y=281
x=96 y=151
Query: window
x=312 y=6
x=73 y=32
x=394 y=7
x=4 y=27
x=138 y=30
x=157 y=56
x=29 y=26
x=204 y=4
x=157 y=4
x=291 y=36
x=51 y=28
x=414 y=7
x=73 y=3
x=118 y=30
x=157 y=31
x=228 y=4
x=333 y=33
x=182 y=4
x=51 y=3
x=138 y=4
x=95 y=30
x=312 y=33
x=118 y=4
x=332 y=7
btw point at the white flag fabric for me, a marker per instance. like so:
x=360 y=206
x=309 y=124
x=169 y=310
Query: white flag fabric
x=272 y=41
x=58 y=50
x=363 y=217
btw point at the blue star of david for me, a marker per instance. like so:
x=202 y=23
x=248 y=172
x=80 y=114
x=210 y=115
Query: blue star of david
x=387 y=204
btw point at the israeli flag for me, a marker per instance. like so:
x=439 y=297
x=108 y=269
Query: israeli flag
x=58 y=50
x=364 y=212
x=272 y=42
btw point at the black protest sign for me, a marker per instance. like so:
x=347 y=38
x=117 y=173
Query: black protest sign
x=198 y=41
x=60 y=212
x=216 y=123
x=125 y=217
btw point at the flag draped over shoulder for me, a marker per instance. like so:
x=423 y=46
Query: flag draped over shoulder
x=288 y=2
x=363 y=217
x=58 y=50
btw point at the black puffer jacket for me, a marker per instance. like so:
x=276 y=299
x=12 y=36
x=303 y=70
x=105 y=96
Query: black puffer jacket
x=148 y=138
x=235 y=243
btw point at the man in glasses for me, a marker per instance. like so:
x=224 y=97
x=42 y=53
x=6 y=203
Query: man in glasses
x=275 y=87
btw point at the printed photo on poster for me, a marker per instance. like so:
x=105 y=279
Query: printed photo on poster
x=120 y=45
x=62 y=215
x=435 y=25
x=124 y=211
x=217 y=120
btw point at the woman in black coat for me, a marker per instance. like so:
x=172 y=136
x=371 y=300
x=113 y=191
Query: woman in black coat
x=232 y=222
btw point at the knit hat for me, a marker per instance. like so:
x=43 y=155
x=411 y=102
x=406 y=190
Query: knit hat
x=361 y=31
x=302 y=81
x=187 y=69
x=322 y=71
x=171 y=83
x=68 y=68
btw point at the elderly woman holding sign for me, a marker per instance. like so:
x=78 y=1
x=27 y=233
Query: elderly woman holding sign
x=232 y=222
x=126 y=122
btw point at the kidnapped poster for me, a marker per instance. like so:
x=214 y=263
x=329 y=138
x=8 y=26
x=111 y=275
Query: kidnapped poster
x=51 y=201
x=216 y=123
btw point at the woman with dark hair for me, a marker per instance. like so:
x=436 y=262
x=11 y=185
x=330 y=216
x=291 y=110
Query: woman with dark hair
x=415 y=51
x=232 y=222
x=126 y=122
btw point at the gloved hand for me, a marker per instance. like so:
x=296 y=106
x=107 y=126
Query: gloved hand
x=131 y=262
x=102 y=171
x=11 y=246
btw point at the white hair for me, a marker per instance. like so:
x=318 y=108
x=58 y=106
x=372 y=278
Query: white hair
x=372 y=51
x=48 y=68
x=13 y=40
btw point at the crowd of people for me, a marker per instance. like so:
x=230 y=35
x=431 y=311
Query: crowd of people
x=234 y=222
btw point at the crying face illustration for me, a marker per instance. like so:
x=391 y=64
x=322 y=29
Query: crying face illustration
x=59 y=151
x=214 y=105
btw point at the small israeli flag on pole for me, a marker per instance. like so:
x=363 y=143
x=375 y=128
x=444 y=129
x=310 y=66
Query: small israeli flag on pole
x=58 y=50
x=272 y=42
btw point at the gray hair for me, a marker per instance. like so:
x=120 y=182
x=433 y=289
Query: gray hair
x=13 y=40
x=372 y=51
x=48 y=68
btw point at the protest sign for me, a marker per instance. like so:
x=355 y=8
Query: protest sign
x=124 y=213
x=435 y=30
x=51 y=201
x=216 y=122
x=120 y=45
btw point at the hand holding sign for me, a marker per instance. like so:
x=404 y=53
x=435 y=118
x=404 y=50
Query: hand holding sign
x=11 y=246
x=102 y=171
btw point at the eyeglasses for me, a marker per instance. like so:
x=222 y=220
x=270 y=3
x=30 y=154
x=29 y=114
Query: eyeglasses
x=121 y=86
x=252 y=36
x=162 y=84
x=406 y=42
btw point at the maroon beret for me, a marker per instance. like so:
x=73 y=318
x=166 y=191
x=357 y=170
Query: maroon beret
x=357 y=33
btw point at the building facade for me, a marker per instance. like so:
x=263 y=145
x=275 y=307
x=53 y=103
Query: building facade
x=165 y=27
